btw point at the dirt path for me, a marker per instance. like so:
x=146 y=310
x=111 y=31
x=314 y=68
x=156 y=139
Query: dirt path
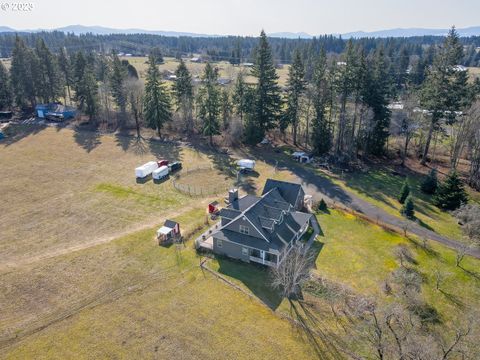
x=10 y=265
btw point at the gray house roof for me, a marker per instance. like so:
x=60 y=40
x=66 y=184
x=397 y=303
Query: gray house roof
x=273 y=217
x=288 y=191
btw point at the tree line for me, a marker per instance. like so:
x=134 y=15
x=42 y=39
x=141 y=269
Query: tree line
x=336 y=105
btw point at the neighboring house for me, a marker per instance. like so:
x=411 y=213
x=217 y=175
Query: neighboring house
x=263 y=229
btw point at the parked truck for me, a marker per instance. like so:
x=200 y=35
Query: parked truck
x=175 y=166
x=146 y=169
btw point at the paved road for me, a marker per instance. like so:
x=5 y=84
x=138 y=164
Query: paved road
x=321 y=187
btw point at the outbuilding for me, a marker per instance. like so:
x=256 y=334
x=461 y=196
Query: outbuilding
x=55 y=111
x=168 y=232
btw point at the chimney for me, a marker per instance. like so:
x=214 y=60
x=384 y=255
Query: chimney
x=232 y=195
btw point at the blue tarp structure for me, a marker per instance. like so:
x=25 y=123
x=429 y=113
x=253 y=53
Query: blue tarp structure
x=55 y=111
x=2 y=136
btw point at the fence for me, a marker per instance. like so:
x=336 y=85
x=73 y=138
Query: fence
x=201 y=190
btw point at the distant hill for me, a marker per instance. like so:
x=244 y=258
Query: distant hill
x=291 y=35
x=409 y=32
x=399 y=32
x=6 y=29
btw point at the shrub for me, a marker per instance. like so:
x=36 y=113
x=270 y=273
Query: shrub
x=404 y=192
x=450 y=194
x=408 y=208
x=430 y=183
x=322 y=206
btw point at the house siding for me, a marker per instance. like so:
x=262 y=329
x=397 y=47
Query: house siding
x=230 y=249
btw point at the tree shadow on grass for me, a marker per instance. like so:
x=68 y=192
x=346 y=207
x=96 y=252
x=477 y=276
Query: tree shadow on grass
x=255 y=277
x=16 y=132
x=87 y=139
x=322 y=342
x=454 y=299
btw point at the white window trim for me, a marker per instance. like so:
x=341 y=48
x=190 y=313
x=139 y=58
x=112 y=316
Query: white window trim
x=245 y=230
x=219 y=243
x=245 y=251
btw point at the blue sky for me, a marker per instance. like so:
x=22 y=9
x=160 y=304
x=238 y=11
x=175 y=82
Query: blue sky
x=247 y=17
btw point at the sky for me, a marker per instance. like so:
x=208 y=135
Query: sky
x=246 y=17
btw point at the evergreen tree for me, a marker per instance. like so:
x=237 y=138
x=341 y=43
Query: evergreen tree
x=267 y=102
x=404 y=192
x=80 y=65
x=408 y=208
x=296 y=87
x=183 y=92
x=21 y=74
x=226 y=108
x=5 y=88
x=90 y=92
x=321 y=134
x=117 y=83
x=49 y=84
x=239 y=98
x=209 y=106
x=443 y=86
x=156 y=105
x=86 y=86
x=376 y=96
x=430 y=183
x=450 y=193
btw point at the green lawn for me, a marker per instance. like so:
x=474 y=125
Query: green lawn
x=380 y=187
x=361 y=255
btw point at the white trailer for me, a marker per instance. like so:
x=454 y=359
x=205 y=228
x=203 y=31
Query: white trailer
x=246 y=164
x=160 y=173
x=146 y=169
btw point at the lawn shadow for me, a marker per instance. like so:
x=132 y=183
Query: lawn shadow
x=454 y=299
x=255 y=277
x=424 y=225
x=322 y=342
x=315 y=251
x=88 y=139
x=164 y=149
x=17 y=132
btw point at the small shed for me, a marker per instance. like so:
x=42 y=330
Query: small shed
x=213 y=207
x=168 y=232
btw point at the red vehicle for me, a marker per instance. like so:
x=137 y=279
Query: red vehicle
x=162 y=162
x=213 y=208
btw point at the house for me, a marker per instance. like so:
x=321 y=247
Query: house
x=168 y=232
x=263 y=229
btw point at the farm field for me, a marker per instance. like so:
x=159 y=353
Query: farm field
x=226 y=70
x=62 y=189
x=82 y=275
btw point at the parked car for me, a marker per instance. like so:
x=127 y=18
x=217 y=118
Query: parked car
x=175 y=166
x=246 y=164
x=162 y=162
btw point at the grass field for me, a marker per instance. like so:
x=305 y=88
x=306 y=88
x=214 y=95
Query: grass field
x=82 y=276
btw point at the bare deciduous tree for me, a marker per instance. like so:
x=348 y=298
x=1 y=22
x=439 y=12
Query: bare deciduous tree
x=292 y=272
x=134 y=91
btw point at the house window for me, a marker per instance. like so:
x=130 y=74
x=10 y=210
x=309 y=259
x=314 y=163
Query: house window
x=244 y=229
x=219 y=243
x=244 y=251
